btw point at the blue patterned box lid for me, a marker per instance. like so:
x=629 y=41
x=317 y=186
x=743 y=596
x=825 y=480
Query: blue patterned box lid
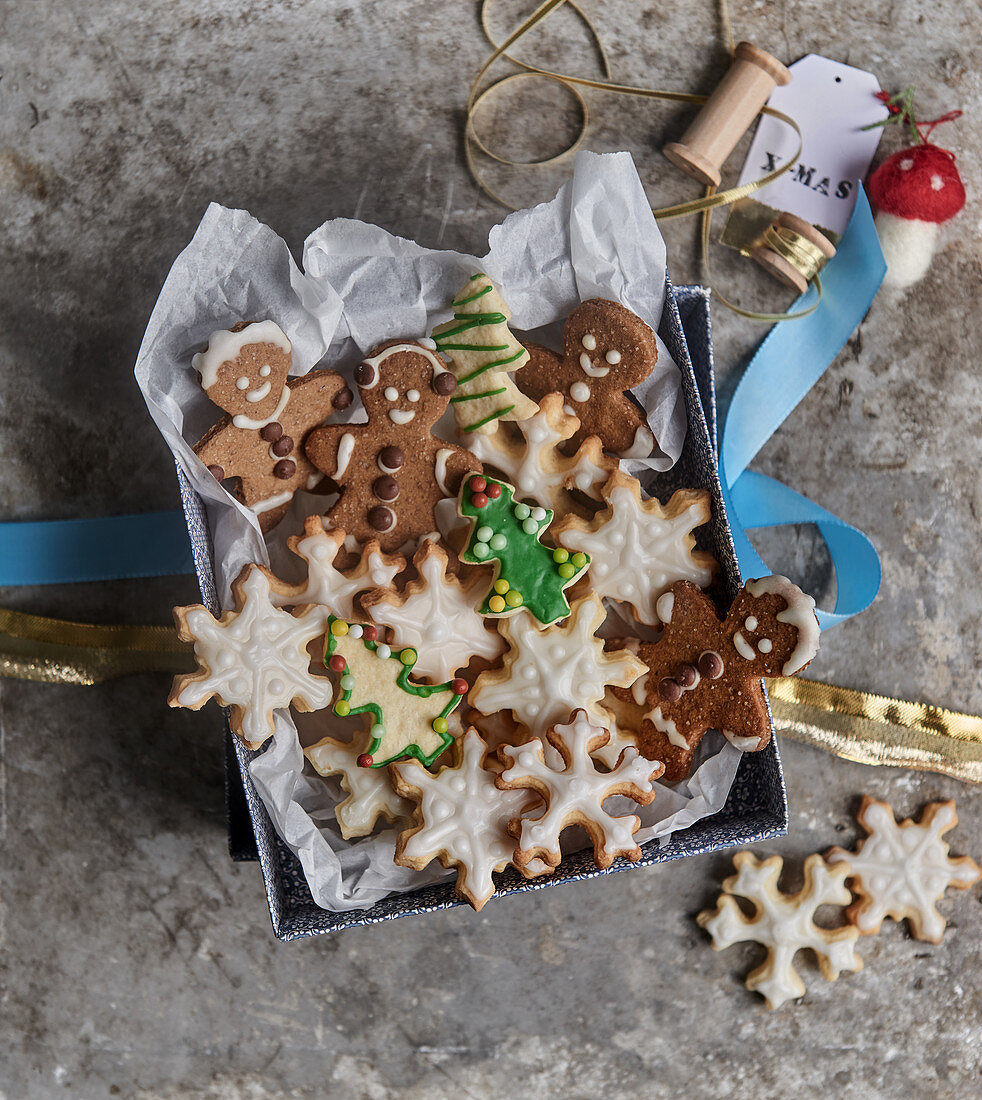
x=756 y=808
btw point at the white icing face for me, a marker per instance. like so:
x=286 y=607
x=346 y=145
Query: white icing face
x=242 y=383
x=264 y=370
x=401 y=416
x=225 y=346
x=800 y=612
x=575 y=790
x=589 y=342
x=579 y=391
x=587 y=366
x=259 y=394
x=613 y=357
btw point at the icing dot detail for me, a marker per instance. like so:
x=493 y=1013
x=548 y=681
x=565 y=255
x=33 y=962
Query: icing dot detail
x=365 y=761
x=560 y=555
x=513 y=598
x=538 y=514
x=459 y=686
x=566 y=570
x=377 y=732
x=337 y=663
x=613 y=357
x=579 y=560
x=498 y=542
x=383 y=651
x=348 y=682
x=342 y=708
x=494 y=490
x=589 y=342
x=501 y=586
x=339 y=628
x=522 y=511
x=391 y=393
x=481 y=550
x=477 y=484
x=496 y=604
x=412 y=395
x=408 y=656
x=439 y=725
x=484 y=533
x=530 y=526
x=479 y=500
x=355 y=631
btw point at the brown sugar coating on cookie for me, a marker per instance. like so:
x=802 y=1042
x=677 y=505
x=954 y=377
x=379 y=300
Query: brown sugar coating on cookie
x=268 y=416
x=607 y=350
x=705 y=674
x=393 y=471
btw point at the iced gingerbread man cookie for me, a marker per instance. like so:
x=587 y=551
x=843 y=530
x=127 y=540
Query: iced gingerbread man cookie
x=705 y=674
x=607 y=350
x=392 y=471
x=268 y=416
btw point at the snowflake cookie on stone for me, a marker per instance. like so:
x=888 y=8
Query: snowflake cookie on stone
x=901 y=870
x=527 y=576
x=640 y=547
x=527 y=454
x=253 y=659
x=783 y=923
x=326 y=585
x=370 y=794
x=268 y=417
x=607 y=350
x=461 y=819
x=575 y=791
x=437 y=615
x=548 y=673
x=706 y=674
x=392 y=472
x=407 y=718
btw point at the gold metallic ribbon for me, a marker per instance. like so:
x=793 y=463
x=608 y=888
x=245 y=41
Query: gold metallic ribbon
x=705 y=205
x=56 y=652
x=856 y=725
x=874 y=729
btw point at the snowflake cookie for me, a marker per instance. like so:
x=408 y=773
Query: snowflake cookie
x=783 y=923
x=437 y=615
x=326 y=585
x=549 y=673
x=641 y=547
x=533 y=463
x=574 y=793
x=902 y=870
x=369 y=790
x=408 y=719
x=253 y=659
x=461 y=819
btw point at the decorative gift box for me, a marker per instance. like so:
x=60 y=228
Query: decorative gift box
x=755 y=809
x=360 y=286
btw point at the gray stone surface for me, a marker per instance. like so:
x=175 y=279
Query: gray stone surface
x=135 y=959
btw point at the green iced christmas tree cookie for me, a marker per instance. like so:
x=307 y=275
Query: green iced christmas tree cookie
x=527 y=574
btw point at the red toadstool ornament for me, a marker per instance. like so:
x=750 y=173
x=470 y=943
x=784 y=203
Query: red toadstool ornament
x=914 y=191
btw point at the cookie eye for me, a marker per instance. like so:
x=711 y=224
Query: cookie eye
x=751 y=623
x=391 y=393
x=242 y=383
x=412 y=395
x=264 y=370
x=589 y=342
x=613 y=357
x=765 y=645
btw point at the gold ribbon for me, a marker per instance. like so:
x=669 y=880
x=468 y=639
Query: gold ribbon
x=874 y=729
x=856 y=725
x=710 y=200
x=56 y=652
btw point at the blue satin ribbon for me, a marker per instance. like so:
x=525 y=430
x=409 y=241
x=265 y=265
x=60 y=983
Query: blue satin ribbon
x=793 y=356
x=151 y=544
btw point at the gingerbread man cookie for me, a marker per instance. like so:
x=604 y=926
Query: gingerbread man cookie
x=607 y=350
x=392 y=471
x=705 y=674
x=268 y=416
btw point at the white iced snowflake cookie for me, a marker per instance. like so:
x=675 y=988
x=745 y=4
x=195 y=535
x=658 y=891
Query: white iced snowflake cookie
x=530 y=459
x=253 y=659
x=901 y=870
x=574 y=792
x=326 y=585
x=437 y=615
x=783 y=923
x=548 y=673
x=461 y=819
x=369 y=790
x=639 y=548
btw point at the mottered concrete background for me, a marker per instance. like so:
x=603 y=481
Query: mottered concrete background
x=135 y=959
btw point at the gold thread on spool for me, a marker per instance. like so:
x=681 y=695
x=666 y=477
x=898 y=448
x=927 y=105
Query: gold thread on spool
x=727 y=114
x=793 y=251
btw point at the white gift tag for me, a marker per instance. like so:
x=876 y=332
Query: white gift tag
x=831 y=103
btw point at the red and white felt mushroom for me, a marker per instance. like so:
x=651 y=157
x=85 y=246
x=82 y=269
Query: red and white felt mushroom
x=913 y=191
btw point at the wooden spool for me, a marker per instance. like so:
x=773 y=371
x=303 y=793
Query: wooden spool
x=728 y=113
x=781 y=267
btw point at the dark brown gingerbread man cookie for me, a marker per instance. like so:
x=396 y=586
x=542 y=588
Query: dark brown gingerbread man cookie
x=705 y=674
x=393 y=471
x=260 y=440
x=607 y=350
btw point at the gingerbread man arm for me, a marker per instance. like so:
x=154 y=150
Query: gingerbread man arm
x=687 y=613
x=323 y=392
x=211 y=448
x=323 y=448
x=459 y=463
x=772 y=628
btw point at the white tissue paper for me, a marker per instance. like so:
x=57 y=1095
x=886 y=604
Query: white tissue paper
x=361 y=285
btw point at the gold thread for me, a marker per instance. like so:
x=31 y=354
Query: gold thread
x=704 y=205
x=804 y=255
